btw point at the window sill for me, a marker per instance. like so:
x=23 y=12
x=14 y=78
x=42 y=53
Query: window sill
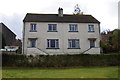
x=92 y=47
x=32 y=31
x=72 y=31
x=74 y=48
x=91 y=31
x=52 y=31
x=52 y=48
x=31 y=47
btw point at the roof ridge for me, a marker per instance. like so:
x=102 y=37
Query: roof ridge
x=40 y=17
x=57 y=14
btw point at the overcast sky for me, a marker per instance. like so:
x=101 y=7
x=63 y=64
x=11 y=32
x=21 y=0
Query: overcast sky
x=12 y=12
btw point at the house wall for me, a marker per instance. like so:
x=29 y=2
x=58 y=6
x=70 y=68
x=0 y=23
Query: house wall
x=63 y=35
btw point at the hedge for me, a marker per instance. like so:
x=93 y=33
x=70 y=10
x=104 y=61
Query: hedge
x=81 y=60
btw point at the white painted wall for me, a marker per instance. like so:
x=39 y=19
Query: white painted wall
x=63 y=35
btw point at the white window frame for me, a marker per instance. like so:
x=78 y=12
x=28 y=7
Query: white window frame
x=91 y=28
x=33 y=27
x=73 y=28
x=74 y=46
x=49 y=43
x=92 y=43
x=53 y=27
x=32 y=43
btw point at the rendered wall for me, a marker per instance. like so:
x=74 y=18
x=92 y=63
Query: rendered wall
x=63 y=35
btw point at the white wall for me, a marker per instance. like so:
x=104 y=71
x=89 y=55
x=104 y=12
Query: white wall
x=63 y=35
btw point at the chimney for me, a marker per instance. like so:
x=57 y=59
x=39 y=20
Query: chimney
x=60 y=12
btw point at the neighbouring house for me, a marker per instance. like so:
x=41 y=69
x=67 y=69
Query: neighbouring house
x=18 y=43
x=60 y=34
x=7 y=37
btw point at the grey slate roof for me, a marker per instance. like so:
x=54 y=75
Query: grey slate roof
x=67 y=18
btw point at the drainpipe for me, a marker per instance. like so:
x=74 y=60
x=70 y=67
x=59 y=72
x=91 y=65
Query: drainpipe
x=23 y=38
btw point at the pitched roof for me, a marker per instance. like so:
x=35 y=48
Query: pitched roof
x=31 y=17
x=6 y=28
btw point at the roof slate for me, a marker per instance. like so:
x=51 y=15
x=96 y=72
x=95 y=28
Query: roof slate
x=67 y=18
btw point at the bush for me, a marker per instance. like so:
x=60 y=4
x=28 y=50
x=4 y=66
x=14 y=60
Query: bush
x=83 y=60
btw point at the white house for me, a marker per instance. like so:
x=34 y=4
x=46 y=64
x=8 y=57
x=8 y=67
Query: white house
x=60 y=34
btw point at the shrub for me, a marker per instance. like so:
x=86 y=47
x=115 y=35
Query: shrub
x=83 y=60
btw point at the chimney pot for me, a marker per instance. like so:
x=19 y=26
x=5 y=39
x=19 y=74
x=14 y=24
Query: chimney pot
x=60 y=12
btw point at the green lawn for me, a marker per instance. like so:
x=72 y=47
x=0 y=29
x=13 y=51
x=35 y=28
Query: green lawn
x=95 y=72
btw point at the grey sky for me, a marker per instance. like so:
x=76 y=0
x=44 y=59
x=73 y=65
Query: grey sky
x=119 y=15
x=12 y=12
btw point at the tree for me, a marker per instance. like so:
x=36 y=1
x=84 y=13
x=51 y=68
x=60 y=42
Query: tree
x=110 y=41
x=116 y=40
x=106 y=47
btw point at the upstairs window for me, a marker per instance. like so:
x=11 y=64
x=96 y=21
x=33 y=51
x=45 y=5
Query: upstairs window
x=33 y=28
x=73 y=28
x=73 y=43
x=91 y=28
x=52 y=27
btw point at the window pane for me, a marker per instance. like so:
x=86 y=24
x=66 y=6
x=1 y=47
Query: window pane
x=91 y=27
x=76 y=28
x=73 y=27
x=92 y=43
x=74 y=43
x=52 y=27
x=69 y=44
x=53 y=43
x=33 y=27
x=33 y=43
x=77 y=44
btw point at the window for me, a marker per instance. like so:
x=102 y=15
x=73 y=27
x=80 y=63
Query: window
x=73 y=43
x=73 y=28
x=52 y=27
x=32 y=43
x=33 y=28
x=53 y=43
x=91 y=28
x=92 y=43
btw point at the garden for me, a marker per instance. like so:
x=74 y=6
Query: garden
x=60 y=66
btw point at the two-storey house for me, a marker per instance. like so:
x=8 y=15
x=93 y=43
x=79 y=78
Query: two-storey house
x=60 y=34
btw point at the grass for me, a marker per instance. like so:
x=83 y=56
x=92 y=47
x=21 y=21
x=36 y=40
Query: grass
x=95 y=72
x=0 y=73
